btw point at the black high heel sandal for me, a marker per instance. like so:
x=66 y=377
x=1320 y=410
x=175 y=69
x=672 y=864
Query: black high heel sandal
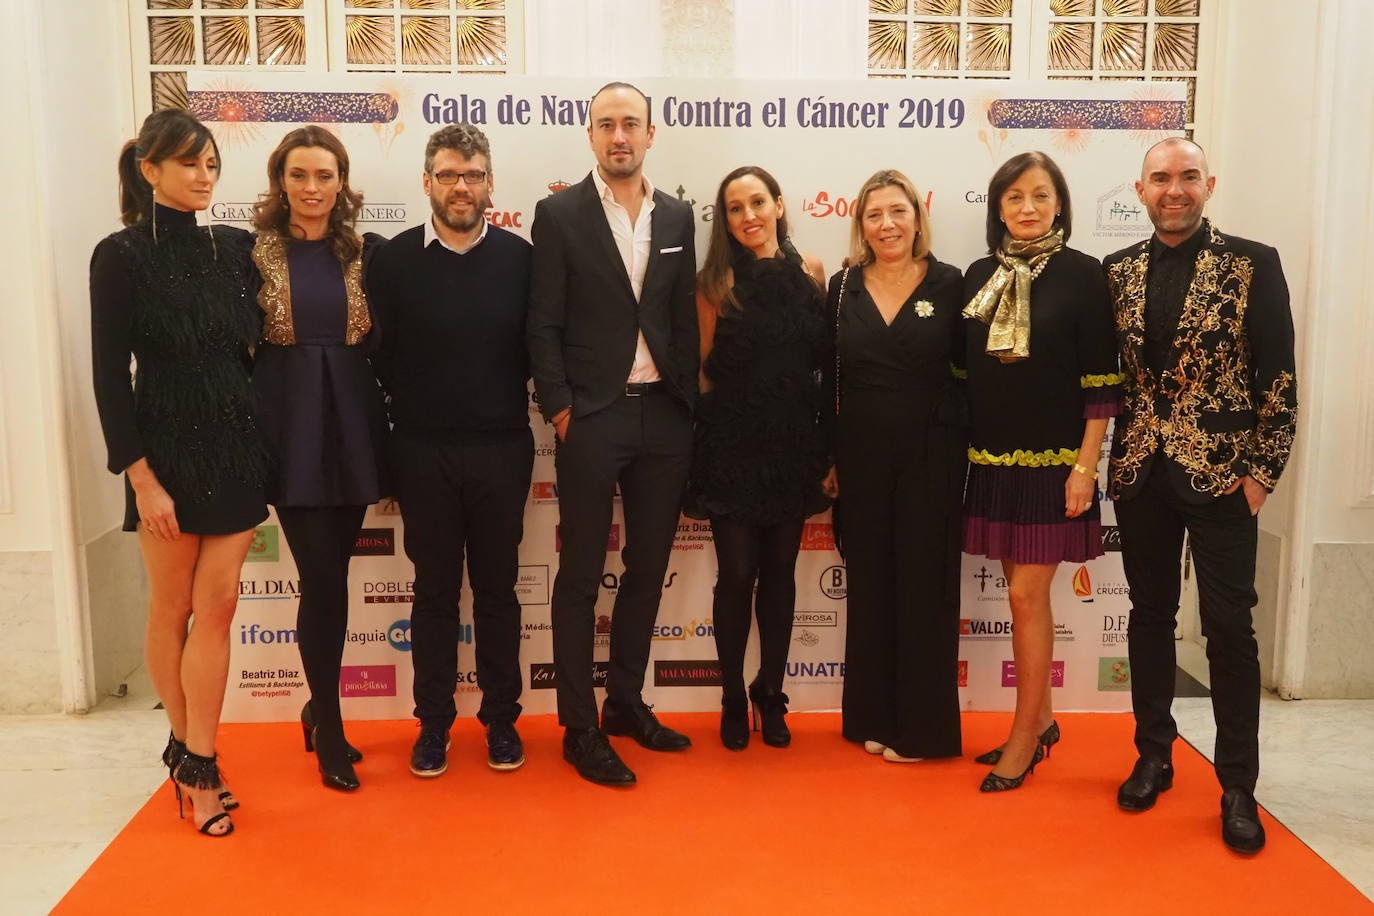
x=1048 y=739
x=171 y=756
x=734 y=723
x=770 y=710
x=196 y=772
x=308 y=732
x=994 y=783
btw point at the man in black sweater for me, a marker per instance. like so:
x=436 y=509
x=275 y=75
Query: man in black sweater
x=450 y=301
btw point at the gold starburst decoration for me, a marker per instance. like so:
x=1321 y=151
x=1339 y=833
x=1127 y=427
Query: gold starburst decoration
x=481 y=40
x=369 y=39
x=937 y=7
x=1123 y=46
x=172 y=41
x=423 y=5
x=424 y=40
x=1175 y=46
x=226 y=4
x=370 y=4
x=989 y=46
x=169 y=90
x=886 y=45
x=226 y=39
x=281 y=41
x=280 y=4
x=989 y=9
x=1123 y=7
x=887 y=7
x=1176 y=7
x=169 y=4
x=935 y=46
x=1071 y=7
x=1071 y=46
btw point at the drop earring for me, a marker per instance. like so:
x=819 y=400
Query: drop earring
x=154 y=216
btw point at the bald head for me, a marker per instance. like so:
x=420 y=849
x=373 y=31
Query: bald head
x=1174 y=145
x=1174 y=186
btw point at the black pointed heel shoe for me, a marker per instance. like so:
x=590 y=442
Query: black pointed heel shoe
x=308 y=729
x=994 y=783
x=336 y=770
x=1048 y=739
x=771 y=710
x=734 y=723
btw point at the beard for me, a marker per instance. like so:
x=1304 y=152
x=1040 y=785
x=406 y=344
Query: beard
x=480 y=203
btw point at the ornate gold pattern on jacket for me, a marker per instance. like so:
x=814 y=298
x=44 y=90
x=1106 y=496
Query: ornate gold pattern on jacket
x=269 y=253
x=1213 y=428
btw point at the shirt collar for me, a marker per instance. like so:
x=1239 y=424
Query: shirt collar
x=603 y=190
x=432 y=236
x=1186 y=249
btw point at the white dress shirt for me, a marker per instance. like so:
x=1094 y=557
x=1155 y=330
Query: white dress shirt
x=432 y=236
x=633 y=240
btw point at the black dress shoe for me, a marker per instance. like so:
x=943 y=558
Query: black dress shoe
x=640 y=723
x=1149 y=777
x=1241 y=829
x=588 y=750
x=505 y=750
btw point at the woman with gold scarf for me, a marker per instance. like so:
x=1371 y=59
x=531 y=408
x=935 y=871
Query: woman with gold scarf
x=1042 y=383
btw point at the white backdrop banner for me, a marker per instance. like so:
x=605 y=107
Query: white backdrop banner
x=821 y=140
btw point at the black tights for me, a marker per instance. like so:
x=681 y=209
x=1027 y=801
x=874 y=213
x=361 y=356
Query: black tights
x=743 y=553
x=321 y=540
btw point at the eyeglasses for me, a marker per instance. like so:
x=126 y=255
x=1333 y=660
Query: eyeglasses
x=446 y=177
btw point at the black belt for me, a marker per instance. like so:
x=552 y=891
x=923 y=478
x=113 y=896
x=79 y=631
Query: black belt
x=639 y=389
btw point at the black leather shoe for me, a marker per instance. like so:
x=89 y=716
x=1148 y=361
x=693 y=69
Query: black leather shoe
x=734 y=723
x=640 y=723
x=1149 y=777
x=429 y=756
x=770 y=709
x=505 y=750
x=1241 y=829
x=588 y=750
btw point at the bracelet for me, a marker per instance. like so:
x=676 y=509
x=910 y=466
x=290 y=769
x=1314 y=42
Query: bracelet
x=1086 y=472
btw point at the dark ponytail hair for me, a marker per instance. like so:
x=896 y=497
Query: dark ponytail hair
x=165 y=134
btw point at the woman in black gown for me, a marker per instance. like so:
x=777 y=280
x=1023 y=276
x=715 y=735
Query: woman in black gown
x=899 y=442
x=1043 y=382
x=759 y=458
x=175 y=298
x=321 y=411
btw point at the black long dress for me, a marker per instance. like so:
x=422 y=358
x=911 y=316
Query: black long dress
x=900 y=446
x=178 y=303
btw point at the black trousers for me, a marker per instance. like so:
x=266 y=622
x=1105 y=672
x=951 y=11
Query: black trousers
x=744 y=554
x=1223 y=536
x=645 y=444
x=458 y=499
x=321 y=541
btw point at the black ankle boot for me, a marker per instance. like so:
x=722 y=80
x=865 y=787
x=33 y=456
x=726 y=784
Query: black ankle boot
x=771 y=708
x=734 y=723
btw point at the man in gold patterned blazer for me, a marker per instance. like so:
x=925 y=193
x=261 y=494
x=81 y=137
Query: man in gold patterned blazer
x=1206 y=341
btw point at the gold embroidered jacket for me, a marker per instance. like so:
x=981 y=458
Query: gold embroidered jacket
x=1226 y=403
x=269 y=254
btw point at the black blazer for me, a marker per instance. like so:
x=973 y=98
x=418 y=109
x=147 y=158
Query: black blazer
x=584 y=323
x=1227 y=404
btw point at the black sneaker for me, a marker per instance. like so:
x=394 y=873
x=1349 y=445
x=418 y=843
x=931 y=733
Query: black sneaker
x=429 y=757
x=505 y=751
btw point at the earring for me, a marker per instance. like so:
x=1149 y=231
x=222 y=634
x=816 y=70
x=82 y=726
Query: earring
x=154 y=215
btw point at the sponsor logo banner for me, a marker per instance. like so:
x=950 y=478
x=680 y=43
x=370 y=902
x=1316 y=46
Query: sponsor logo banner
x=1113 y=674
x=375 y=542
x=816 y=619
x=542 y=676
x=255 y=634
x=815 y=671
x=1009 y=674
x=1114 y=628
x=532 y=585
x=269 y=589
x=693 y=629
x=684 y=673
x=367 y=681
x=389 y=592
x=834 y=583
x=1111 y=538
x=265 y=547
x=266 y=683
x=398 y=635
x=818 y=536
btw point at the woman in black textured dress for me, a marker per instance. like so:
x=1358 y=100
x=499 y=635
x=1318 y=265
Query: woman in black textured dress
x=759 y=457
x=1043 y=381
x=320 y=409
x=899 y=441
x=175 y=298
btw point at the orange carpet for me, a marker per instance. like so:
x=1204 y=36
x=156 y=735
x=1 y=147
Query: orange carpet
x=818 y=828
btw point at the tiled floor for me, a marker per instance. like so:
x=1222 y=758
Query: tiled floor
x=69 y=784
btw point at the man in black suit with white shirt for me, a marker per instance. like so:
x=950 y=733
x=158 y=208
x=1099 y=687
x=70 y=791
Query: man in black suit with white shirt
x=612 y=332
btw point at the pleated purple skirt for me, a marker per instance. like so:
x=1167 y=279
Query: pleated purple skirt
x=1017 y=513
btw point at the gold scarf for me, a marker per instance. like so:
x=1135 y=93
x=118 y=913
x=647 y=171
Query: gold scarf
x=1004 y=302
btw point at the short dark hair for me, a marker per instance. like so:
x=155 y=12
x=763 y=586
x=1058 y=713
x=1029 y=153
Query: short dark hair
x=1006 y=176
x=463 y=139
x=616 y=84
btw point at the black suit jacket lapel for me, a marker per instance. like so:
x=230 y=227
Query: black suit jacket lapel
x=657 y=230
x=601 y=228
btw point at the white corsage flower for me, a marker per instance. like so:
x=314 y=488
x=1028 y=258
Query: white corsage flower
x=925 y=308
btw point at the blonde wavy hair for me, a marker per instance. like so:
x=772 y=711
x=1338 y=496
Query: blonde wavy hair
x=859 y=252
